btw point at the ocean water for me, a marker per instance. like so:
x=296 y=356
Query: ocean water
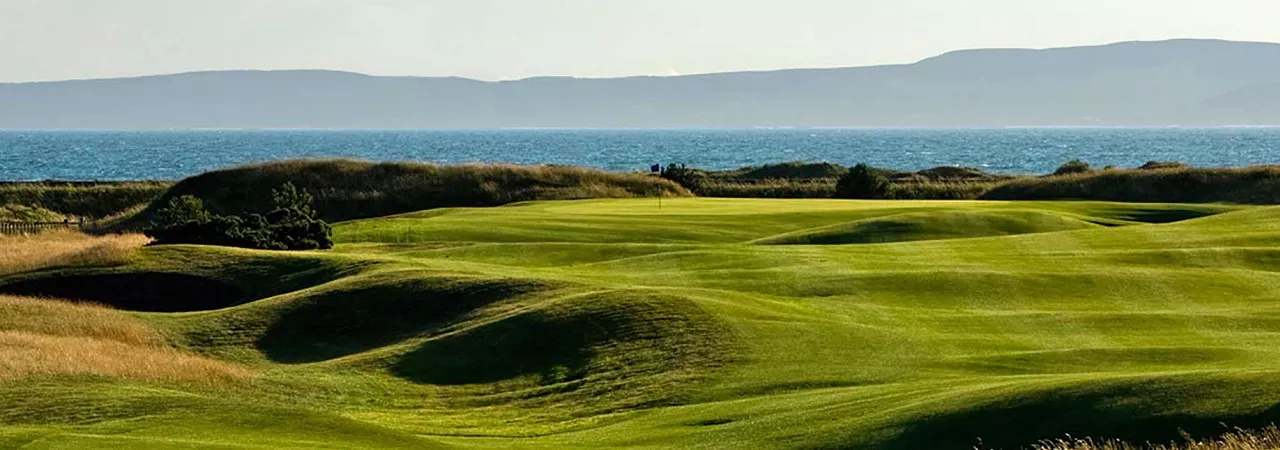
x=125 y=155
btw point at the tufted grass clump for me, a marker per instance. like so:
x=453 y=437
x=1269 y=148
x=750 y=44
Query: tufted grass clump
x=22 y=253
x=1240 y=439
x=45 y=338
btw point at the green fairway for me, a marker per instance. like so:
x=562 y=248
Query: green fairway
x=698 y=323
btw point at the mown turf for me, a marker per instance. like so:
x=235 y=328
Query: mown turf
x=615 y=323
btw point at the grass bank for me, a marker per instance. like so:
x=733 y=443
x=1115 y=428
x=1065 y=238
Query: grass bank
x=1256 y=185
x=1153 y=182
x=345 y=189
x=714 y=323
x=89 y=200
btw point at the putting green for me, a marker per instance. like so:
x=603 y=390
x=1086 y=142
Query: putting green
x=708 y=322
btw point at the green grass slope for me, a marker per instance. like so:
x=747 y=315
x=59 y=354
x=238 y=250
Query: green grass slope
x=931 y=226
x=606 y=323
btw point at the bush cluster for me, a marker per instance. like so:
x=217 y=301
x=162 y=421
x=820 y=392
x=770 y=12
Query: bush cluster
x=862 y=181
x=1164 y=165
x=683 y=175
x=290 y=225
x=1073 y=167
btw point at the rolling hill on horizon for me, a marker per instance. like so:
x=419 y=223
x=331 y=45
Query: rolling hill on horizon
x=1176 y=82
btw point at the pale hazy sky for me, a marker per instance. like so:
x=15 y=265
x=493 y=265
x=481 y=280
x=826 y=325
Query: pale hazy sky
x=506 y=39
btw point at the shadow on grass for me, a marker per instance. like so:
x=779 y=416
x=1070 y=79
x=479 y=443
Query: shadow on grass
x=617 y=335
x=376 y=312
x=1138 y=412
x=556 y=350
x=148 y=292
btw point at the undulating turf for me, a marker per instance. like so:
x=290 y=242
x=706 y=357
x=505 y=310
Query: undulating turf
x=706 y=323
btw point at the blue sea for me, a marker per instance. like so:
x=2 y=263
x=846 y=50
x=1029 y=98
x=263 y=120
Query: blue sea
x=127 y=155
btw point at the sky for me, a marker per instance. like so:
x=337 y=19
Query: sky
x=44 y=40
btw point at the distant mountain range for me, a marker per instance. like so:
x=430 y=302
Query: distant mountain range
x=1178 y=82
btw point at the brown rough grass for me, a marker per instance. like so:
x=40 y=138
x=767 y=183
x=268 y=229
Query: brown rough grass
x=41 y=337
x=25 y=355
x=1265 y=439
x=21 y=253
x=61 y=318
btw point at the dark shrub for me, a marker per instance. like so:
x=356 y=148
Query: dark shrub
x=948 y=173
x=181 y=210
x=1073 y=167
x=862 y=182
x=291 y=225
x=1157 y=165
x=788 y=171
x=683 y=175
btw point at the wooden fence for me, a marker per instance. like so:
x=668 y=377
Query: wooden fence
x=35 y=227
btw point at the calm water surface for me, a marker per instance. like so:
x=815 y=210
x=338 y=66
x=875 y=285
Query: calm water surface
x=119 y=155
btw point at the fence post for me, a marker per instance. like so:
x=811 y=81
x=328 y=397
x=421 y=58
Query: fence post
x=36 y=227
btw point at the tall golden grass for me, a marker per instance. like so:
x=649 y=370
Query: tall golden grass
x=24 y=355
x=41 y=337
x=61 y=318
x=1265 y=439
x=22 y=253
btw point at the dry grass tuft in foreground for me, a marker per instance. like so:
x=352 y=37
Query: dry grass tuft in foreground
x=22 y=253
x=1266 y=439
x=67 y=319
x=48 y=338
x=25 y=355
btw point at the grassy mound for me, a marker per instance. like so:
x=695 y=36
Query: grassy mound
x=613 y=323
x=347 y=190
x=931 y=226
x=607 y=351
x=19 y=213
x=370 y=312
x=1258 y=185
